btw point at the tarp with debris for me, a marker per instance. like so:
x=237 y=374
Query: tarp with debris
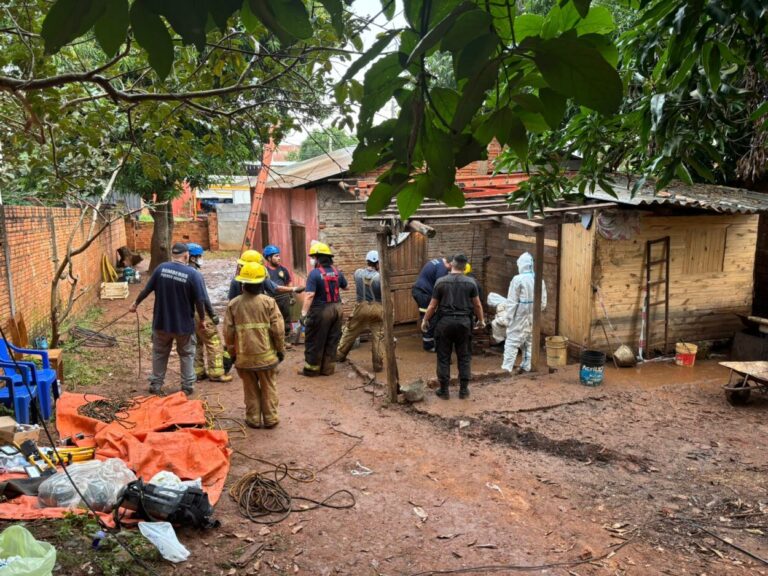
x=158 y=434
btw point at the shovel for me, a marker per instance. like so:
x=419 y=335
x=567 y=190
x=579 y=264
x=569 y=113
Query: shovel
x=623 y=356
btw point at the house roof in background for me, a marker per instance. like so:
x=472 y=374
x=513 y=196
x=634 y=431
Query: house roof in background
x=315 y=169
x=721 y=199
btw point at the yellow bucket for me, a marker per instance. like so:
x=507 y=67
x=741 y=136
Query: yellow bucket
x=557 y=351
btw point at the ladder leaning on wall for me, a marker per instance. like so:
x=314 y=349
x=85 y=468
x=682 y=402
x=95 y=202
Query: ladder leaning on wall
x=249 y=239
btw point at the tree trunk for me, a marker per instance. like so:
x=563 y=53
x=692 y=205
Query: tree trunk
x=162 y=234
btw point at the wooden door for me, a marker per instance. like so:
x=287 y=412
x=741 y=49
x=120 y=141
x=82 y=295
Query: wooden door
x=406 y=260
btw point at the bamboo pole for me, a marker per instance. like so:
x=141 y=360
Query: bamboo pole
x=538 y=279
x=390 y=359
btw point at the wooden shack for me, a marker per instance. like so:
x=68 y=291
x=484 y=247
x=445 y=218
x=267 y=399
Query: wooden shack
x=686 y=256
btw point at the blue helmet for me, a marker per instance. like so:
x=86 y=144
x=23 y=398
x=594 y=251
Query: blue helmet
x=195 y=249
x=270 y=250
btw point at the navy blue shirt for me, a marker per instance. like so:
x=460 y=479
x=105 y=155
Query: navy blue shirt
x=179 y=290
x=280 y=275
x=316 y=284
x=431 y=273
x=236 y=288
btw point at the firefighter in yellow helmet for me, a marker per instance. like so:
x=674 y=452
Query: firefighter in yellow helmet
x=255 y=338
x=321 y=313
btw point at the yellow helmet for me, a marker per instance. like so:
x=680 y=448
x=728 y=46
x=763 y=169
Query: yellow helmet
x=468 y=268
x=252 y=273
x=250 y=256
x=320 y=248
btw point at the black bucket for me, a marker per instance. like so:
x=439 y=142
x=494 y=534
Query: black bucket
x=592 y=368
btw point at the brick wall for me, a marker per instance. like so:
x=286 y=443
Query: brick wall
x=203 y=231
x=340 y=227
x=37 y=237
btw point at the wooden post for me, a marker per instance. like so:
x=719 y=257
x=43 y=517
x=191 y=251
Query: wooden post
x=421 y=228
x=390 y=361
x=538 y=269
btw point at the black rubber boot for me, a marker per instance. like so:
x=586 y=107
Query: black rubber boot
x=464 y=390
x=443 y=391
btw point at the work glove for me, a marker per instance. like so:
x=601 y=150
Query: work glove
x=299 y=289
x=425 y=325
x=480 y=325
x=280 y=356
x=303 y=320
x=215 y=319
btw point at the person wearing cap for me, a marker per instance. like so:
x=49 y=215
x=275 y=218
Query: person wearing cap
x=255 y=337
x=281 y=278
x=422 y=294
x=235 y=289
x=321 y=313
x=179 y=292
x=454 y=301
x=209 y=346
x=368 y=313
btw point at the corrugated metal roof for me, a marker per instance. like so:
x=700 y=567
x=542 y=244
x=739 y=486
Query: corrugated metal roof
x=310 y=171
x=702 y=196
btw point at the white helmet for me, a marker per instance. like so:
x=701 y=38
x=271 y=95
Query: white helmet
x=372 y=256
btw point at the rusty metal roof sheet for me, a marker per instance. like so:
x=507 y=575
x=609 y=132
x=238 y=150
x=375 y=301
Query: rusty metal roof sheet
x=310 y=171
x=709 y=197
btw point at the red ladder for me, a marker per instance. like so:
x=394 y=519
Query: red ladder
x=249 y=240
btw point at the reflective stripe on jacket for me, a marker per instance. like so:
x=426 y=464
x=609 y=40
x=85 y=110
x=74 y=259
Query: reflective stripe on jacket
x=255 y=327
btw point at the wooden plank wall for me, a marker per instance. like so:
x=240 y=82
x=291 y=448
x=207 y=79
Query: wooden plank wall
x=577 y=246
x=703 y=305
x=760 y=303
x=504 y=245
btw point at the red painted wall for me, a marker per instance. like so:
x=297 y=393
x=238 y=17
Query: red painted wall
x=282 y=207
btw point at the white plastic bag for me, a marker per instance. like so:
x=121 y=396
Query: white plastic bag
x=163 y=536
x=495 y=299
x=35 y=558
x=170 y=480
x=99 y=482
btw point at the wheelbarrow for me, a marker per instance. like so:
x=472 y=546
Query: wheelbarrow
x=745 y=377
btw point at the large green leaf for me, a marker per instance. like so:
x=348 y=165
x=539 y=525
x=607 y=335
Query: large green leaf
x=711 y=61
x=381 y=42
x=187 y=17
x=554 y=107
x=252 y=24
x=293 y=17
x=453 y=196
x=69 y=19
x=111 y=28
x=365 y=157
x=473 y=95
x=221 y=10
x=436 y=34
x=438 y=152
x=388 y=8
x=152 y=35
x=381 y=81
x=475 y=55
x=444 y=101
x=582 y=6
x=411 y=196
x=266 y=13
x=467 y=26
x=336 y=10
x=598 y=21
x=576 y=69
x=380 y=198
x=528 y=25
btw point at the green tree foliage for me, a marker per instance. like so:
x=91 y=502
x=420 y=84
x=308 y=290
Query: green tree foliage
x=695 y=107
x=324 y=140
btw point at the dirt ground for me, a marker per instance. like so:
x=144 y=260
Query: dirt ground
x=651 y=473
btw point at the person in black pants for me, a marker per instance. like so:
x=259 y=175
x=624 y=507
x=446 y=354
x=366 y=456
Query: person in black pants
x=454 y=300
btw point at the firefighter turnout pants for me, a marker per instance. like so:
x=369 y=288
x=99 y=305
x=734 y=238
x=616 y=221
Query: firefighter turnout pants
x=261 y=401
x=209 y=352
x=321 y=340
x=365 y=316
x=454 y=333
x=422 y=301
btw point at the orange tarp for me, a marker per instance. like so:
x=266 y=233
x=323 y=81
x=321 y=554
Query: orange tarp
x=143 y=445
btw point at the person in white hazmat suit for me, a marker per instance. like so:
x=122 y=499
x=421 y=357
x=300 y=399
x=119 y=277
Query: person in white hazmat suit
x=520 y=315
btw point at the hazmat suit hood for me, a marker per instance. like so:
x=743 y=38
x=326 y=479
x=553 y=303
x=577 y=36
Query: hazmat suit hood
x=525 y=263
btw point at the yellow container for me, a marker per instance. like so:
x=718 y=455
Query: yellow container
x=685 y=353
x=557 y=351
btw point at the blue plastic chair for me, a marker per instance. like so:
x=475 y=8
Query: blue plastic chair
x=43 y=379
x=17 y=396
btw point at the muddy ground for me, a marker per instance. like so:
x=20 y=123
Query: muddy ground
x=651 y=473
